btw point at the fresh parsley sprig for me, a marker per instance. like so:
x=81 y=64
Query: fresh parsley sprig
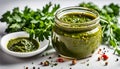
x=109 y=21
x=37 y=23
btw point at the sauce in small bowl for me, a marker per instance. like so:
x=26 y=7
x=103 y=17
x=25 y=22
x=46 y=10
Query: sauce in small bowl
x=23 y=44
x=18 y=44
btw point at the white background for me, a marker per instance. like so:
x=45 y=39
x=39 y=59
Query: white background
x=10 y=62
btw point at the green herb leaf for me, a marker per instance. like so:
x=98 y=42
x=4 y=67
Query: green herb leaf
x=37 y=23
x=109 y=22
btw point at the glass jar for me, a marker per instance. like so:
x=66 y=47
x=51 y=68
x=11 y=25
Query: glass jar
x=76 y=40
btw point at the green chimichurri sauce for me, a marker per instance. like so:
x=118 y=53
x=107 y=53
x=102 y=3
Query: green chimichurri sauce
x=76 y=44
x=77 y=18
x=23 y=44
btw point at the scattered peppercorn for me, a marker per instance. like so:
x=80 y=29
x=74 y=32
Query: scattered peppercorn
x=88 y=64
x=98 y=59
x=59 y=56
x=42 y=55
x=46 y=63
x=33 y=67
x=50 y=57
x=103 y=48
x=32 y=63
x=26 y=68
x=74 y=61
x=117 y=59
x=105 y=51
x=106 y=63
x=99 y=51
x=41 y=63
x=70 y=68
x=55 y=64
x=60 y=60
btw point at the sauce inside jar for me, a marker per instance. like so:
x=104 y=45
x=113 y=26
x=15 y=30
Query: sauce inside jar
x=76 y=35
x=77 y=18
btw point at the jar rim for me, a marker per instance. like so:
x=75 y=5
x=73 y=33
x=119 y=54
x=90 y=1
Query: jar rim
x=77 y=25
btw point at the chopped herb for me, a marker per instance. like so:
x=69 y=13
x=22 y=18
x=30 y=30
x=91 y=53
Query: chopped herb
x=88 y=64
x=42 y=55
x=47 y=54
x=55 y=64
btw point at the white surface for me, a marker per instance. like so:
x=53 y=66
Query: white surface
x=10 y=62
x=6 y=38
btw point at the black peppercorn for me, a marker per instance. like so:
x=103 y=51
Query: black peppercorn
x=26 y=68
x=117 y=59
x=106 y=63
x=50 y=57
x=33 y=67
x=59 y=56
x=41 y=63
